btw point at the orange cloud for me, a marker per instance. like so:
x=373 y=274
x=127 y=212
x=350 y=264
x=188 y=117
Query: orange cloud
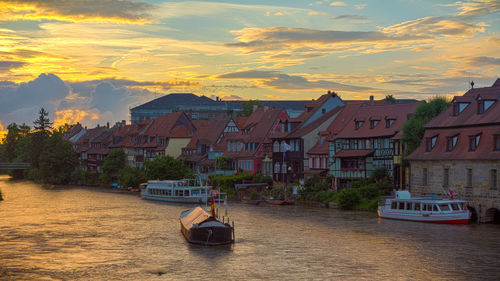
x=73 y=115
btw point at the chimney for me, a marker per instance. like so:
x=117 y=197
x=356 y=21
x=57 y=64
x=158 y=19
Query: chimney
x=371 y=100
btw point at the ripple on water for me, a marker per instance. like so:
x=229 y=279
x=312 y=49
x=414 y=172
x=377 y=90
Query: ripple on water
x=85 y=234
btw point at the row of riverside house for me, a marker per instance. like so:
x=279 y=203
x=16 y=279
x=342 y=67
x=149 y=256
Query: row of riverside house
x=268 y=141
x=347 y=139
x=342 y=138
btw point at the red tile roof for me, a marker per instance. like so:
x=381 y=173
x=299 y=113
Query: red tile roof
x=397 y=111
x=484 y=151
x=467 y=123
x=469 y=116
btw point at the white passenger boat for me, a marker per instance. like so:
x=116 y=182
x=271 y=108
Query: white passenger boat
x=181 y=191
x=424 y=209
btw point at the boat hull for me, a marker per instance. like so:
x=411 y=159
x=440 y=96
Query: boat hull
x=454 y=218
x=210 y=236
x=194 y=200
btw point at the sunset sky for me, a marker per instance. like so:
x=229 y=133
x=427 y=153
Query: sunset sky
x=91 y=60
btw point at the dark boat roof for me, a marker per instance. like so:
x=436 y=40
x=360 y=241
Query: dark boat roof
x=194 y=216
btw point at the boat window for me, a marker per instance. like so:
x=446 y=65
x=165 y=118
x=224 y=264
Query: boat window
x=394 y=205
x=401 y=205
x=416 y=206
x=169 y=192
x=409 y=206
x=435 y=208
x=444 y=207
x=454 y=207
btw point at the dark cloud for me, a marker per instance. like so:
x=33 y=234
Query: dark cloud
x=482 y=61
x=351 y=17
x=89 y=9
x=8 y=65
x=277 y=80
x=20 y=103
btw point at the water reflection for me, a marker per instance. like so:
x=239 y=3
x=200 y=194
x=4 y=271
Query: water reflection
x=82 y=234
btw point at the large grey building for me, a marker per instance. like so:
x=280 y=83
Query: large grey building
x=201 y=107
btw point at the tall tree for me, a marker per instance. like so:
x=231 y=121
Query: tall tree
x=43 y=124
x=42 y=127
x=413 y=128
x=57 y=160
x=114 y=162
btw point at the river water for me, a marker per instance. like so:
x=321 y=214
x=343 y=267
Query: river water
x=89 y=234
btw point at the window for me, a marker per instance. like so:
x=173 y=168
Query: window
x=389 y=122
x=409 y=206
x=497 y=142
x=373 y=123
x=435 y=208
x=358 y=124
x=394 y=205
x=444 y=207
x=469 y=177
x=454 y=207
x=493 y=179
x=458 y=107
x=424 y=176
x=474 y=142
x=483 y=105
x=416 y=206
x=430 y=142
x=401 y=205
x=451 y=143
x=446 y=177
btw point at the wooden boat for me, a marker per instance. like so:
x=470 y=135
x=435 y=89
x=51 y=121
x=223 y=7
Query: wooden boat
x=200 y=227
x=424 y=209
x=252 y=201
x=279 y=202
x=181 y=191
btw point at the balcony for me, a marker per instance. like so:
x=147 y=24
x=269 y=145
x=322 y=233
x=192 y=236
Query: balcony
x=383 y=153
x=349 y=173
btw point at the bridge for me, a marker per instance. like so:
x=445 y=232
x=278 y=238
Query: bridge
x=14 y=166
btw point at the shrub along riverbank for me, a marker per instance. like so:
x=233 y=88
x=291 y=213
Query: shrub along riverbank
x=360 y=195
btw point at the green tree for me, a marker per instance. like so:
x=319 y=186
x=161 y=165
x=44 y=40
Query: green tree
x=43 y=124
x=58 y=160
x=166 y=167
x=247 y=107
x=222 y=163
x=391 y=99
x=41 y=132
x=413 y=128
x=131 y=176
x=114 y=162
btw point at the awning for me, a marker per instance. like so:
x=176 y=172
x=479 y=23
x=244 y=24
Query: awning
x=354 y=153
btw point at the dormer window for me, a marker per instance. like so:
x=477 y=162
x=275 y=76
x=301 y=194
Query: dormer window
x=496 y=140
x=357 y=124
x=474 y=142
x=458 y=107
x=373 y=123
x=483 y=105
x=430 y=143
x=389 y=122
x=451 y=142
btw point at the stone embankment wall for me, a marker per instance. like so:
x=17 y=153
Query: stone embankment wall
x=481 y=195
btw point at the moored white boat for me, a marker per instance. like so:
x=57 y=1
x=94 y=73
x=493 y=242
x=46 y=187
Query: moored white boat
x=424 y=209
x=181 y=191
